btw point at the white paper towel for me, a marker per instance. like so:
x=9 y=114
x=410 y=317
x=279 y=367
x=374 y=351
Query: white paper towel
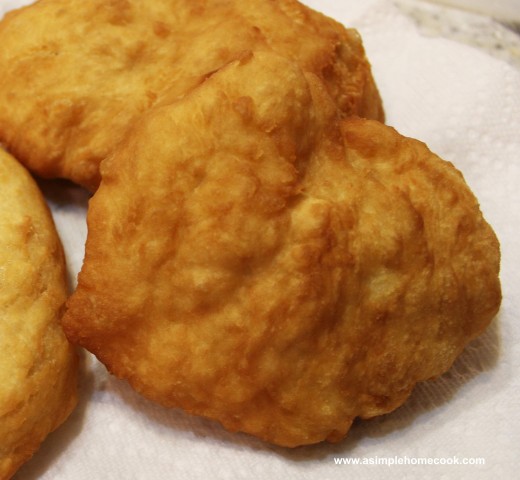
x=466 y=106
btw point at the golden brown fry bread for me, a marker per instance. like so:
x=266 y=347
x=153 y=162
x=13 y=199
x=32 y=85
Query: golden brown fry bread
x=38 y=367
x=76 y=74
x=255 y=260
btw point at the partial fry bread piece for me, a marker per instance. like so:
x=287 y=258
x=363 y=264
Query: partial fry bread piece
x=38 y=366
x=255 y=259
x=76 y=74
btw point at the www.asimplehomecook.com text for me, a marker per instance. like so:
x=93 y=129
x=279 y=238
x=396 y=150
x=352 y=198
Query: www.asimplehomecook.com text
x=395 y=460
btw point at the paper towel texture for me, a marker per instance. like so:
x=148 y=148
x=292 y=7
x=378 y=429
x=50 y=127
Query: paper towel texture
x=465 y=105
